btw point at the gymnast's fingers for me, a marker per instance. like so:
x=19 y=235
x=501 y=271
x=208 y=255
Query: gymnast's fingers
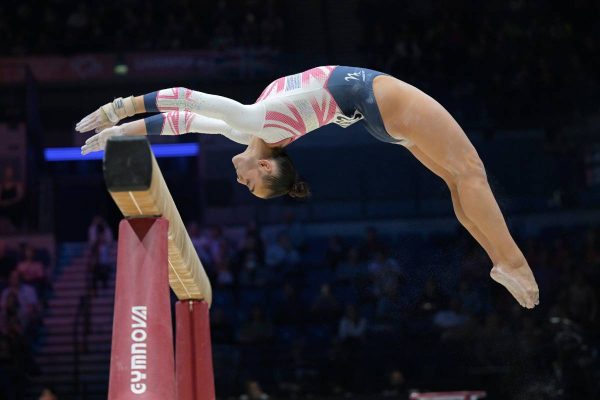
x=93 y=139
x=89 y=122
x=83 y=123
x=85 y=149
x=85 y=126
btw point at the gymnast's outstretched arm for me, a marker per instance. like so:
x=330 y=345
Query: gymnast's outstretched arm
x=171 y=123
x=241 y=117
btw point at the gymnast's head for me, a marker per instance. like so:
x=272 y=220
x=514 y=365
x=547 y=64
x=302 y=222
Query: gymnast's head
x=269 y=174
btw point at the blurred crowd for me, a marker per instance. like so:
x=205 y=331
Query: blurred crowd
x=500 y=61
x=524 y=58
x=341 y=315
x=296 y=314
x=100 y=255
x=134 y=25
x=24 y=288
x=12 y=201
x=26 y=277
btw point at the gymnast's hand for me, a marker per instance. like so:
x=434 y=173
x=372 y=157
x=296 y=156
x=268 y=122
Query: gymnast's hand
x=108 y=115
x=98 y=141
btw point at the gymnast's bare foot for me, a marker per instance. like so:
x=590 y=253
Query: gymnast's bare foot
x=519 y=281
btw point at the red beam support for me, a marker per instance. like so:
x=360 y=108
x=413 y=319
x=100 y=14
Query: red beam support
x=193 y=354
x=142 y=362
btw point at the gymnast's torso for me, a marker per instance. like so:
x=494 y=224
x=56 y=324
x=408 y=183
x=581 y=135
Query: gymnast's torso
x=300 y=103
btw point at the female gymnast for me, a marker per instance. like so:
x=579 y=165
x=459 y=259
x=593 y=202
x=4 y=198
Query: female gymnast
x=391 y=110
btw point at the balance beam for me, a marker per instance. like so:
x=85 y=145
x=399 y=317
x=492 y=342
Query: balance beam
x=155 y=252
x=137 y=186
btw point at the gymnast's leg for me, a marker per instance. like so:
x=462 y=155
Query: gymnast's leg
x=458 y=210
x=408 y=112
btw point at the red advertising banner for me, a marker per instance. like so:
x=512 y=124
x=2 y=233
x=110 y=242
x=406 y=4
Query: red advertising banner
x=98 y=67
x=57 y=69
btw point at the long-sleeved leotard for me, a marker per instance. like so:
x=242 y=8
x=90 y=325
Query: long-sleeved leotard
x=288 y=108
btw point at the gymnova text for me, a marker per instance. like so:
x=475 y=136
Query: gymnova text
x=139 y=335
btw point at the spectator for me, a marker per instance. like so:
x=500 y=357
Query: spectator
x=295 y=230
x=335 y=251
x=351 y=333
x=78 y=19
x=272 y=29
x=431 y=300
x=256 y=330
x=352 y=326
x=325 y=307
x=220 y=327
x=6 y=364
x=473 y=299
x=351 y=268
x=495 y=331
x=396 y=385
x=386 y=277
x=388 y=301
x=282 y=254
x=252 y=244
x=548 y=272
x=581 y=300
x=451 y=317
x=31 y=271
x=100 y=262
x=16 y=361
x=99 y=228
x=473 y=258
x=251 y=258
x=193 y=229
x=19 y=302
x=10 y=309
x=254 y=392
x=223 y=35
x=592 y=251
x=224 y=276
x=11 y=196
x=202 y=245
x=404 y=52
x=385 y=274
x=530 y=340
x=289 y=311
x=296 y=370
x=371 y=244
x=217 y=245
x=7 y=261
x=249 y=31
x=252 y=273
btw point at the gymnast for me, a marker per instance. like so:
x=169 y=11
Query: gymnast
x=390 y=109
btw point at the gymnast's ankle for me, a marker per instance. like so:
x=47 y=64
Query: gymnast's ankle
x=512 y=263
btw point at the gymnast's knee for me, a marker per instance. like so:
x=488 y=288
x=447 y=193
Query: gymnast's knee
x=471 y=173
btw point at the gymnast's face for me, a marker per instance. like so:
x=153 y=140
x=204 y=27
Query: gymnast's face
x=251 y=171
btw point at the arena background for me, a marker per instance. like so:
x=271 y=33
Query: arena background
x=377 y=246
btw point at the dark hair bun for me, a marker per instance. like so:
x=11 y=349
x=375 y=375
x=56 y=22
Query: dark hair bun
x=300 y=190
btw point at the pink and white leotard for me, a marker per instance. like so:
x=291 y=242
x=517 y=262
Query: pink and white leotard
x=288 y=108
x=300 y=103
